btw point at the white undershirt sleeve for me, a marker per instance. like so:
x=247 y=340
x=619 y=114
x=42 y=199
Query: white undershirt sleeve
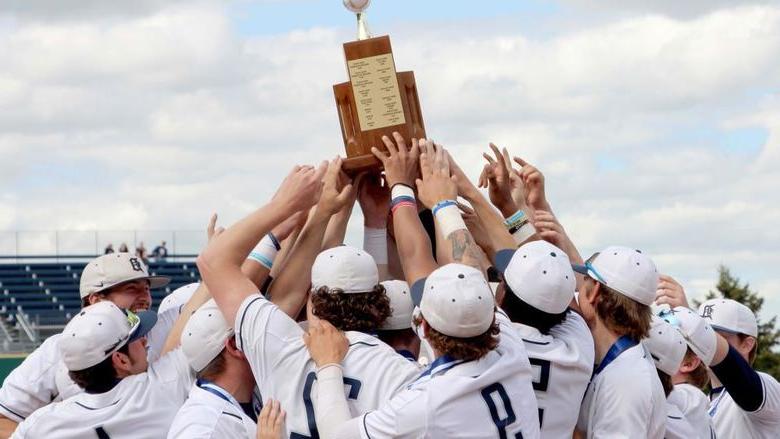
x=330 y=406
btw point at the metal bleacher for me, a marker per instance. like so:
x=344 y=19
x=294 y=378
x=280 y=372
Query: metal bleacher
x=38 y=299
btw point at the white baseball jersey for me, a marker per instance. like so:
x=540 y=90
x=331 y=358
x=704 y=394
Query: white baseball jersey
x=139 y=406
x=562 y=363
x=206 y=415
x=488 y=398
x=42 y=378
x=730 y=420
x=283 y=369
x=693 y=405
x=625 y=400
x=677 y=427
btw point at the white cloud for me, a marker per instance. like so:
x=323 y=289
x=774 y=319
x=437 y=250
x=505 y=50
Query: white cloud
x=153 y=120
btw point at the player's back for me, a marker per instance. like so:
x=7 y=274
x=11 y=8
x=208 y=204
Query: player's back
x=562 y=364
x=283 y=369
x=139 y=406
x=488 y=398
x=373 y=373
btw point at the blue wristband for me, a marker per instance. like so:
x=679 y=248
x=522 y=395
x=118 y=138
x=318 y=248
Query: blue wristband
x=442 y=204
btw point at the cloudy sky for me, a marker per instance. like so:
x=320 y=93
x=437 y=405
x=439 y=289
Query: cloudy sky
x=657 y=123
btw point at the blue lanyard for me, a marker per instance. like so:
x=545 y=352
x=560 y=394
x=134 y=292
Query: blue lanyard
x=621 y=345
x=218 y=391
x=439 y=366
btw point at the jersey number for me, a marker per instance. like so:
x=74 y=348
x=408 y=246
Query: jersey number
x=101 y=433
x=354 y=390
x=501 y=423
x=544 y=380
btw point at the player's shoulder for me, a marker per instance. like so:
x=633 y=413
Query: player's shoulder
x=630 y=371
x=361 y=340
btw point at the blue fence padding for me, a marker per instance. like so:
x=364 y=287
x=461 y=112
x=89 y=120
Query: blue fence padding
x=49 y=292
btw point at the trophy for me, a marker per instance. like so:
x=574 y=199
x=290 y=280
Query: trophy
x=376 y=100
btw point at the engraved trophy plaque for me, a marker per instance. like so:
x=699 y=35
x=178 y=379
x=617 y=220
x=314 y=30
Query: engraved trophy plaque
x=376 y=100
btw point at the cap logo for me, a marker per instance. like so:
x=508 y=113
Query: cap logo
x=132 y=318
x=135 y=264
x=707 y=311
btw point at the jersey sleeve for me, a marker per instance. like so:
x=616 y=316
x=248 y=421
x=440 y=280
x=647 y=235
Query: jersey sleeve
x=173 y=372
x=769 y=410
x=32 y=384
x=262 y=331
x=26 y=428
x=404 y=416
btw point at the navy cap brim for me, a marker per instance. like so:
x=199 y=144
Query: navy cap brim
x=581 y=269
x=417 y=291
x=502 y=259
x=147 y=321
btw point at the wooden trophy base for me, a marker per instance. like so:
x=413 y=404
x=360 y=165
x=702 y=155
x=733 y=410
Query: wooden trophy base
x=364 y=122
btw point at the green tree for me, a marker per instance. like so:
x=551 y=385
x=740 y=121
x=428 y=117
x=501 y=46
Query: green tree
x=730 y=287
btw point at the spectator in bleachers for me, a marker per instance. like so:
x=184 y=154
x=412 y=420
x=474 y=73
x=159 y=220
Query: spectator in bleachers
x=123 y=248
x=160 y=252
x=140 y=251
x=109 y=249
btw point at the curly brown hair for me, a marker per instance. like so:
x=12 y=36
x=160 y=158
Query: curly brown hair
x=363 y=312
x=623 y=315
x=468 y=348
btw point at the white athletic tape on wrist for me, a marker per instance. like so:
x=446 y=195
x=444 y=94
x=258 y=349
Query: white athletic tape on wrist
x=449 y=220
x=375 y=244
x=265 y=252
x=524 y=233
x=401 y=190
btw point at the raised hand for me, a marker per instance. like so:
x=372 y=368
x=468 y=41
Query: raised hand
x=533 y=182
x=436 y=184
x=270 y=421
x=549 y=229
x=212 y=230
x=301 y=188
x=336 y=192
x=374 y=201
x=670 y=292
x=326 y=344
x=497 y=176
x=400 y=162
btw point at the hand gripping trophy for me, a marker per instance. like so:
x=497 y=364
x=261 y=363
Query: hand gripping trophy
x=376 y=100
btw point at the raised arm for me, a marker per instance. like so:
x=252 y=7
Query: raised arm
x=374 y=199
x=438 y=191
x=414 y=247
x=260 y=262
x=220 y=263
x=290 y=289
x=337 y=226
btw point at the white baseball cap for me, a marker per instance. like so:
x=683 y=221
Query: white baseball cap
x=730 y=316
x=457 y=301
x=695 y=330
x=113 y=269
x=666 y=345
x=401 y=304
x=98 y=331
x=204 y=335
x=346 y=269
x=625 y=270
x=178 y=297
x=540 y=274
